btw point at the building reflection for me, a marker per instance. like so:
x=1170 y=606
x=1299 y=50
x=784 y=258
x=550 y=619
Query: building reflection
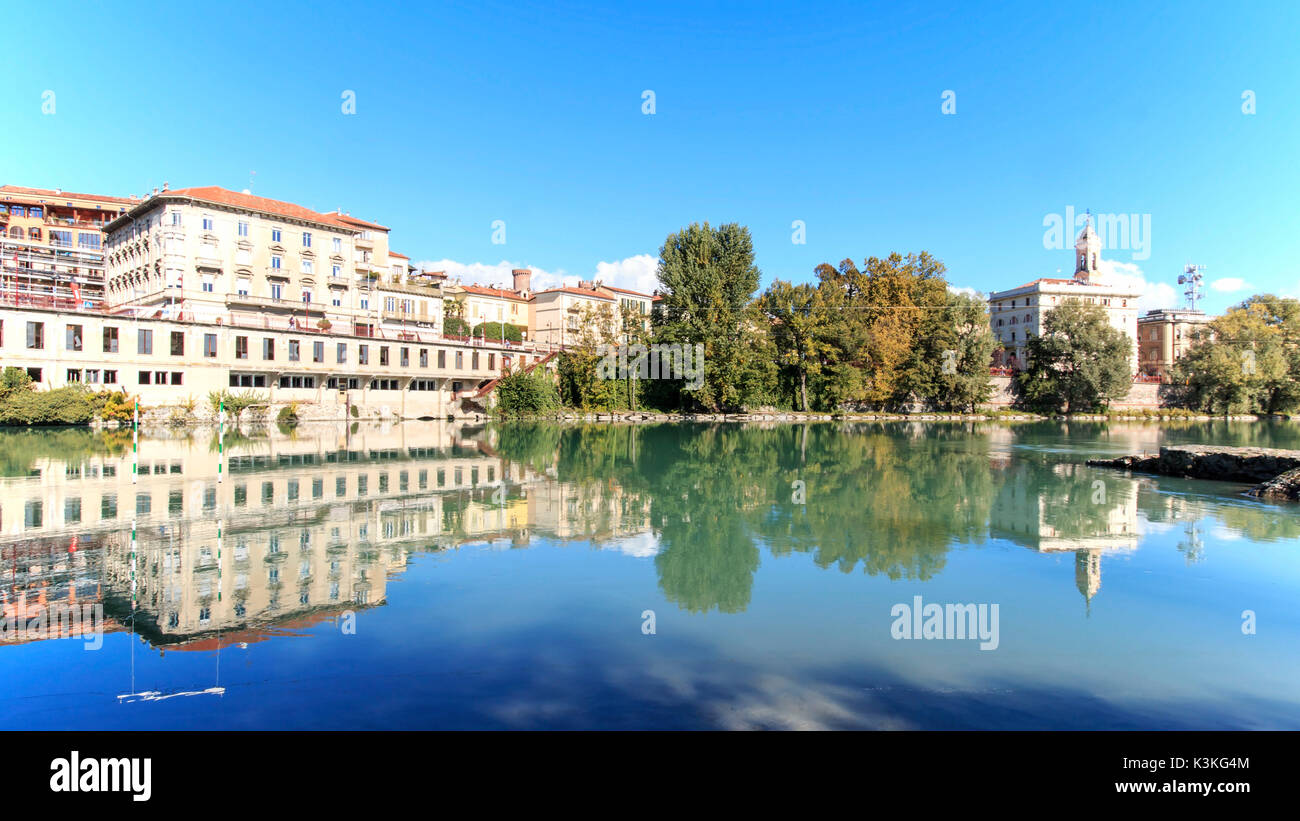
x=200 y=541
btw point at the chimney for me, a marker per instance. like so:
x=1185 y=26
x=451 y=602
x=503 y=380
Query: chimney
x=165 y=184
x=523 y=279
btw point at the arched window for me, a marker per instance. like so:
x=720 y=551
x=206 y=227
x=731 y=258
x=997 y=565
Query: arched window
x=15 y=232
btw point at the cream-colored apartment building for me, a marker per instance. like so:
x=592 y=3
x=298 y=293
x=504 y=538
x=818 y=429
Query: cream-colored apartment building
x=557 y=313
x=1165 y=335
x=1017 y=314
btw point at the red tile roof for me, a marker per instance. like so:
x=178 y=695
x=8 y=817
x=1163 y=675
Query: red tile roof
x=627 y=291
x=497 y=292
x=221 y=196
x=399 y=256
x=587 y=292
x=50 y=193
x=357 y=221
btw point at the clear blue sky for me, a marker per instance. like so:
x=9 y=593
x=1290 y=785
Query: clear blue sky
x=765 y=114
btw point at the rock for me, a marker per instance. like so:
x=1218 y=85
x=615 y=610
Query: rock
x=1285 y=487
x=1278 y=470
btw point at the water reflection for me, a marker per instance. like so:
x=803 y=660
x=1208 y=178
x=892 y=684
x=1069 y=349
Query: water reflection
x=300 y=528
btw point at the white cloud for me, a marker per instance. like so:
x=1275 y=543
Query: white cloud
x=968 y=291
x=636 y=272
x=1229 y=285
x=1154 y=294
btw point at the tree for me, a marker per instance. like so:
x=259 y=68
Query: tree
x=798 y=323
x=1080 y=363
x=953 y=373
x=1248 y=361
x=707 y=278
x=582 y=385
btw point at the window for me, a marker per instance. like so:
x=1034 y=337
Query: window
x=306 y=266
x=241 y=347
x=275 y=235
x=178 y=343
x=492 y=362
x=460 y=360
x=177 y=377
x=277 y=291
x=160 y=377
x=73 y=340
x=110 y=377
x=276 y=262
x=406 y=357
x=424 y=358
x=474 y=360
x=243 y=228
x=336 y=270
x=338 y=248
x=341 y=352
x=74 y=375
x=318 y=352
x=306 y=296
x=207 y=223
x=442 y=359
x=365 y=303
x=143 y=377
x=35 y=335
x=268 y=349
x=306 y=239
x=176 y=218
x=294 y=346
x=61 y=239
x=383 y=354
x=92 y=376
x=208 y=285
x=210 y=345
x=241 y=287
x=144 y=342
x=363 y=354
x=335 y=300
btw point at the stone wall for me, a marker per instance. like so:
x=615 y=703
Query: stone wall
x=1141 y=395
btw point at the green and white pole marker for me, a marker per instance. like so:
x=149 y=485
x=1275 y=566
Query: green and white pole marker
x=221 y=439
x=218 y=560
x=133 y=544
x=135 y=444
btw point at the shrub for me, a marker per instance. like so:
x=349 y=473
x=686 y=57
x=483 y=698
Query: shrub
x=455 y=326
x=288 y=415
x=235 y=403
x=525 y=393
x=494 y=331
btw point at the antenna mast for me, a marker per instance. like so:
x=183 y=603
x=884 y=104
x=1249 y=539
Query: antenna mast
x=1192 y=279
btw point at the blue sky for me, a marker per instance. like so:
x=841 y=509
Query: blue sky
x=531 y=113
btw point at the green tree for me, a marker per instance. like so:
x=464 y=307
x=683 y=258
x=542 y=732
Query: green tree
x=1079 y=363
x=1247 y=361
x=797 y=320
x=952 y=374
x=708 y=278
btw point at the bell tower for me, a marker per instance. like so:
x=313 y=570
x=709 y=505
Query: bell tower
x=1087 y=252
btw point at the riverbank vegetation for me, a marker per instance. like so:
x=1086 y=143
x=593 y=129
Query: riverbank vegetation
x=22 y=404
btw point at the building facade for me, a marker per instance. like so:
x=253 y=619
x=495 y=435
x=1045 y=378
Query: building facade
x=51 y=245
x=1017 y=314
x=1166 y=334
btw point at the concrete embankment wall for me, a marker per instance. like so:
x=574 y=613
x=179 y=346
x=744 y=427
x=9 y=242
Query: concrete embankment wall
x=1141 y=395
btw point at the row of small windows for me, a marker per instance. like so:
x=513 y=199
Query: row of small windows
x=243 y=230
x=74 y=340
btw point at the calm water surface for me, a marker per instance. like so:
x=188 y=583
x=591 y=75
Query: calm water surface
x=443 y=576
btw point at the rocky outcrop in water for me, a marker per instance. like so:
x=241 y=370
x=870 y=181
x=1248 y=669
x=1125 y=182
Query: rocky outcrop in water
x=1277 y=471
